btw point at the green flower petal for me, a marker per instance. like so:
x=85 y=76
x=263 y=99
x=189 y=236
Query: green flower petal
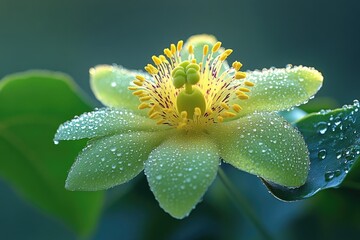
x=110 y=86
x=280 y=89
x=266 y=145
x=180 y=170
x=102 y=122
x=112 y=160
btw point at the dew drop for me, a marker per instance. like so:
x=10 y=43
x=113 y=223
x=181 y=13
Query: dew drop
x=322 y=154
x=321 y=127
x=329 y=175
x=56 y=142
x=158 y=177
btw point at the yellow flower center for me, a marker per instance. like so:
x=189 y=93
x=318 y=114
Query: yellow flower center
x=186 y=94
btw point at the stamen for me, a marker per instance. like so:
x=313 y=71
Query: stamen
x=240 y=75
x=173 y=49
x=236 y=108
x=167 y=52
x=140 y=78
x=144 y=105
x=180 y=45
x=191 y=49
x=205 y=49
x=156 y=60
x=216 y=47
x=243 y=89
x=189 y=95
x=224 y=105
x=236 y=65
x=249 y=84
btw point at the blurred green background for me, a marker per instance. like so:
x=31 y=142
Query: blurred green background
x=72 y=36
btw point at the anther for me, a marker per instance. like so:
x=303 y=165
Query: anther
x=146 y=98
x=156 y=60
x=236 y=108
x=167 y=52
x=191 y=49
x=205 y=49
x=140 y=78
x=138 y=92
x=132 y=88
x=249 y=84
x=173 y=49
x=143 y=106
x=224 y=105
x=216 y=47
x=243 y=96
x=240 y=75
x=243 y=89
x=154 y=115
x=180 y=45
x=220 y=119
x=138 y=83
x=236 y=65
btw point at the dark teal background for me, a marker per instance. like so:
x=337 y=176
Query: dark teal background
x=71 y=36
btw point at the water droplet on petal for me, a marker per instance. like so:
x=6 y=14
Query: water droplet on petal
x=322 y=154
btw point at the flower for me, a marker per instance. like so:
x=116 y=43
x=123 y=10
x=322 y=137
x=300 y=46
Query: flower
x=194 y=110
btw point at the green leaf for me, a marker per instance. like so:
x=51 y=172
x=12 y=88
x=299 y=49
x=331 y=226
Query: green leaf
x=32 y=105
x=333 y=139
x=112 y=160
x=280 y=89
x=266 y=145
x=180 y=171
x=110 y=86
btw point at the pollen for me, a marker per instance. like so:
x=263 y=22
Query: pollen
x=191 y=93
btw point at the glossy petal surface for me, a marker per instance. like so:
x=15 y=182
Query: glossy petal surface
x=280 y=89
x=110 y=86
x=180 y=171
x=112 y=160
x=266 y=145
x=102 y=122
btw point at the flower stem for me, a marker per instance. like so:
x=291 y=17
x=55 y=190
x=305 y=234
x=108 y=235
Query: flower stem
x=243 y=205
